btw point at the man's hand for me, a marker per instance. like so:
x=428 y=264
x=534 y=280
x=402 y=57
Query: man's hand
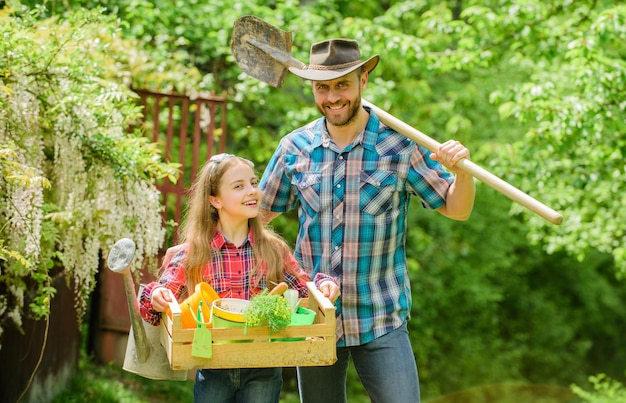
x=449 y=153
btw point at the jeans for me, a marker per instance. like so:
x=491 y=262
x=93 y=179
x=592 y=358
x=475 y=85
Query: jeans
x=245 y=385
x=386 y=367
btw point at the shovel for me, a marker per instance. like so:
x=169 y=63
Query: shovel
x=264 y=52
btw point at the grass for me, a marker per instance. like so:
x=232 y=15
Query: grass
x=509 y=392
x=99 y=383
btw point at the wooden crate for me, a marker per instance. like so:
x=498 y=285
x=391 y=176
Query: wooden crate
x=255 y=347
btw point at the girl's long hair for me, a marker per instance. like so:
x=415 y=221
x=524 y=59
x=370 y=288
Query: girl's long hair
x=198 y=230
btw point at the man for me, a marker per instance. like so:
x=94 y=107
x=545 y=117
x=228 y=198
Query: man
x=351 y=178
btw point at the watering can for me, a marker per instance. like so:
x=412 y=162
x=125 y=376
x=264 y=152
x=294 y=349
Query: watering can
x=145 y=356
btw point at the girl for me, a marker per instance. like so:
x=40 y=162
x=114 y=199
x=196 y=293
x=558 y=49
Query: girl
x=226 y=245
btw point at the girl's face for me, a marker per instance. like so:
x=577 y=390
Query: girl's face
x=238 y=196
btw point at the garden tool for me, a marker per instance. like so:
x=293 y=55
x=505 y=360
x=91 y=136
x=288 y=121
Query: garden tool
x=144 y=354
x=264 y=52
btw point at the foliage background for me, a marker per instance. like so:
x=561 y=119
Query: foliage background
x=534 y=88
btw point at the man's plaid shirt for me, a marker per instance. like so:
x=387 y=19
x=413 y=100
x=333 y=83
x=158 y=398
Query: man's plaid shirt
x=352 y=207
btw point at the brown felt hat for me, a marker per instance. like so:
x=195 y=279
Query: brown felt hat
x=334 y=58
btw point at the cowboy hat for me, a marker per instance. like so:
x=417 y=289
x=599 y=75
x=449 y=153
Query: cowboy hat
x=334 y=58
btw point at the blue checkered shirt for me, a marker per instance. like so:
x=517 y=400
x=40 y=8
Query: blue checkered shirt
x=353 y=206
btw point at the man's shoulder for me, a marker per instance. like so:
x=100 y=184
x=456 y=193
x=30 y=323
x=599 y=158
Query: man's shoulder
x=309 y=129
x=387 y=140
x=380 y=132
x=302 y=136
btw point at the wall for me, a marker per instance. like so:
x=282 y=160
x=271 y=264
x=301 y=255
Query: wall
x=60 y=340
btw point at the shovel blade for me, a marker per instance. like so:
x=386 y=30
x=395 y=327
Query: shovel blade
x=258 y=47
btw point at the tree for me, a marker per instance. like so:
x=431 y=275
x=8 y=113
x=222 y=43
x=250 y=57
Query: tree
x=565 y=84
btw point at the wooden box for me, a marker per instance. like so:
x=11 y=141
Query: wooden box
x=255 y=347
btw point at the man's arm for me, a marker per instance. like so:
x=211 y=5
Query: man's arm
x=460 y=197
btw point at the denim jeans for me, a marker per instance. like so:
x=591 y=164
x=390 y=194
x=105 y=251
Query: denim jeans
x=386 y=367
x=245 y=385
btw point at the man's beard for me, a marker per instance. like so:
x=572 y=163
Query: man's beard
x=353 y=111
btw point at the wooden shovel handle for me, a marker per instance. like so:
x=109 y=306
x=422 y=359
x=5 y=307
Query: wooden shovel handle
x=468 y=166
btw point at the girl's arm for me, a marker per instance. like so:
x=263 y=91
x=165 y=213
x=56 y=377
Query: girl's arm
x=173 y=277
x=297 y=278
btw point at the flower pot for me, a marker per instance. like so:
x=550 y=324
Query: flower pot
x=230 y=310
x=228 y=313
x=189 y=307
x=302 y=317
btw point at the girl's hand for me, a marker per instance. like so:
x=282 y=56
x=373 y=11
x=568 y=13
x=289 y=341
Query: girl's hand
x=161 y=297
x=330 y=290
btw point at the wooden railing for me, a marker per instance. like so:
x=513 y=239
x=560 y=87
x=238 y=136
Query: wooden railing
x=190 y=131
